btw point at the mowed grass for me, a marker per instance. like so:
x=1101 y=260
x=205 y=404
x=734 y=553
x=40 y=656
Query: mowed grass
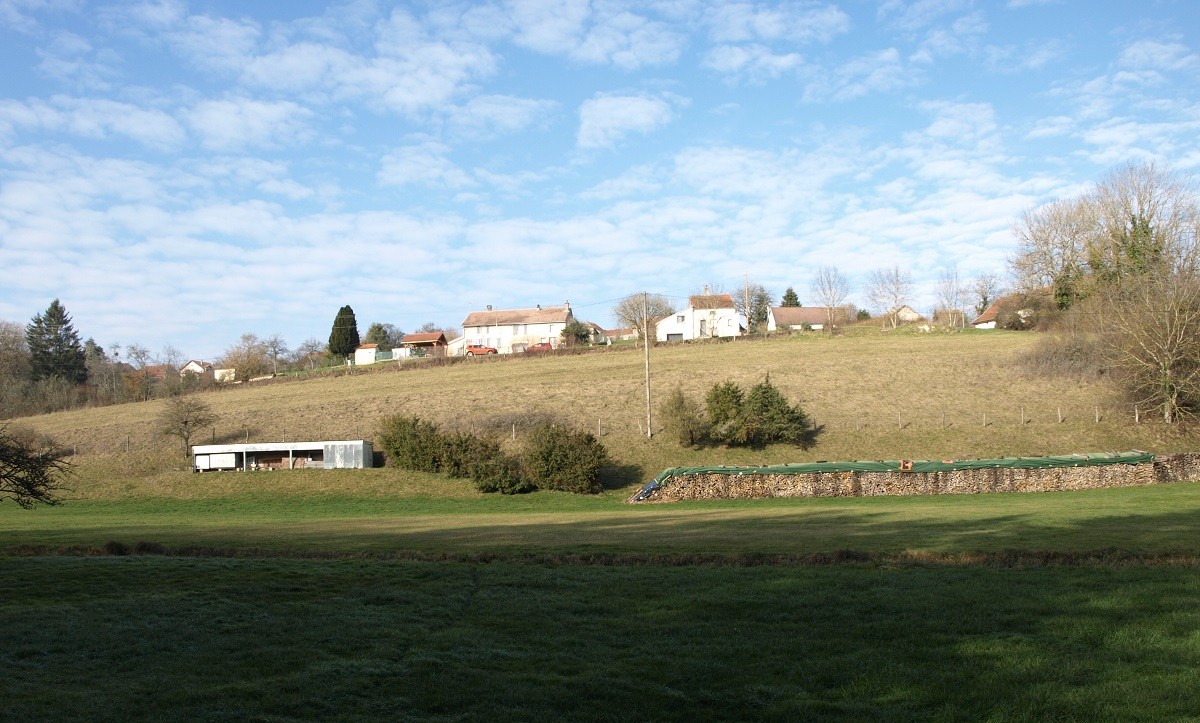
x=363 y=595
x=153 y=638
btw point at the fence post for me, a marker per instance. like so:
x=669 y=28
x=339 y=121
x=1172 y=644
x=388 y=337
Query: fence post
x=1136 y=415
x=1060 y=415
x=1097 y=414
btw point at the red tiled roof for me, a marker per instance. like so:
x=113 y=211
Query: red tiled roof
x=989 y=314
x=432 y=337
x=711 y=301
x=367 y=346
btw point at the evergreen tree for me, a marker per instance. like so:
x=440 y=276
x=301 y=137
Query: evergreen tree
x=343 y=338
x=54 y=347
x=790 y=298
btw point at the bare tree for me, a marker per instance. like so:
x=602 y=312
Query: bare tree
x=987 y=290
x=1151 y=328
x=275 y=347
x=309 y=352
x=628 y=311
x=760 y=301
x=830 y=288
x=949 y=296
x=887 y=290
x=248 y=357
x=183 y=416
x=1052 y=243
x=30 y=472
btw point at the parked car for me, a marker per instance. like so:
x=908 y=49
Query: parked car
x=540 y=346
x=480 y=350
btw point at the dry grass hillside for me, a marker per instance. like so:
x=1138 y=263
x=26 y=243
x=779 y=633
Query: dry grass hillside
x=876 y=395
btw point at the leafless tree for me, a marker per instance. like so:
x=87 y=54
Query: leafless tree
x=275 y=347
x=887 y=290
x=309 y=352
x=830 y=288
x=753 y=301
x=183 y=416
x=987 y=290
x=949 y=296
x=248 y=357
x=629 y=311
x=1052 y=242
x=1151 y=327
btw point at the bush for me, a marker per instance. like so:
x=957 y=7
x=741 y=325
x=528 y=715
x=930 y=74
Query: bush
x=683 y=419
x=461 y=452
x=724 y=404
x=757 y=419
x=411 y=443
x=556 y=458
x=499 y=473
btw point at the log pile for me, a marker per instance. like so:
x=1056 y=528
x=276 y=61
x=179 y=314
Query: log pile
x=709 y=486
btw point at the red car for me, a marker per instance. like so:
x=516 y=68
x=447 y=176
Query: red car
x=540 y=346
x=480 y=350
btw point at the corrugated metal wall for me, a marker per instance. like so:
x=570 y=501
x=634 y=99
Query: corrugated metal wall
x=348 y=455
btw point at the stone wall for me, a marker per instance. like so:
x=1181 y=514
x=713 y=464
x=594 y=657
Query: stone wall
x=1164 y=469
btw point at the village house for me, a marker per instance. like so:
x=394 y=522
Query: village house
x=513 y=330
x=200 y=369
x=707 y=316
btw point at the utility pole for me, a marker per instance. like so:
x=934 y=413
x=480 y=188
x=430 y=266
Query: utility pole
x=646 y=344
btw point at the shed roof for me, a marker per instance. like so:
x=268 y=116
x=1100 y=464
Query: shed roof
x=540 y=315
x=988 y=315
x=430 y=337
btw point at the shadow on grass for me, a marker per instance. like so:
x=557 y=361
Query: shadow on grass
x=616 y=476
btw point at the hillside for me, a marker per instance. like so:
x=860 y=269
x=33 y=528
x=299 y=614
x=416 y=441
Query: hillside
x=876 y=395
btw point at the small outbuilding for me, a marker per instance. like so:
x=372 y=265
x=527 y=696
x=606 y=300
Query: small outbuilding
x=347 y=454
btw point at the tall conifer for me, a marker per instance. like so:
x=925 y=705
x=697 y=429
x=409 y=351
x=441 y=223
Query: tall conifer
x=54 y=346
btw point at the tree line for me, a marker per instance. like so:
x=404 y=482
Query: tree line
x=45 y=367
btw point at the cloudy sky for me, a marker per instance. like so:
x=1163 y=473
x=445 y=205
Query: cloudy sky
x=181 y=173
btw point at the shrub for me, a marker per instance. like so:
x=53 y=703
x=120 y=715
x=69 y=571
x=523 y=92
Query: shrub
x=683 y=419
x=757 y=419
x=499 y=473
x=411 y=443
x=556 y=458
x=724 y=404
x=461 y=452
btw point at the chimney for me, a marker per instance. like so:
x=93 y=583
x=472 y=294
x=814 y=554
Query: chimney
x=706 y=289
x=539 y=307
x=567 y=304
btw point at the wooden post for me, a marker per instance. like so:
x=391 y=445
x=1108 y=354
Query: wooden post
x=943 y=420
x=1022 y=414
x=899 y=423
x=1097 y=414
x=1060 y=415
x=1136 y=415
x=514 y=431
x=985 y=419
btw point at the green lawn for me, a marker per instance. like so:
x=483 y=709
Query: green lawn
x=1148 y=521
x=160 y=638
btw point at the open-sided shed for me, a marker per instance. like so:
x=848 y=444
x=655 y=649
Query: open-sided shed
x=345 y=454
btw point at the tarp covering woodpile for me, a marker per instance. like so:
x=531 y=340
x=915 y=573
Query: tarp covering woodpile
x=868 y=478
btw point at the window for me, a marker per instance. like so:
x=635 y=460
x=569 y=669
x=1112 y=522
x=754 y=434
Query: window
x=681 y=318
x=703 y=327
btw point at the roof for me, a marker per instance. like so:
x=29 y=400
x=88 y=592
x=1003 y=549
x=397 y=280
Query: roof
x=989 y=314
x=367 y=346
x=429 y=337
x=541 y=315
x=711 y=301
x=801 y=315
x=157 y=370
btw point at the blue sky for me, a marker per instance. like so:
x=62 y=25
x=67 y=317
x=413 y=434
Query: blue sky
x=183 y=173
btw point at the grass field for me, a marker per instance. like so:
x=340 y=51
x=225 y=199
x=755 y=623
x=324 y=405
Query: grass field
x=384 y=594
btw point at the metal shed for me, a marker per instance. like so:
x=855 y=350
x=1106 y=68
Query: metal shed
x=344 y=454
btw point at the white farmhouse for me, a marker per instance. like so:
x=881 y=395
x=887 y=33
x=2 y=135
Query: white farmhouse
x=513 y=330
x=707 y=316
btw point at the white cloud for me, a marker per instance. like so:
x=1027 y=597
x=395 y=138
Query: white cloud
x=605 y=119
x=753 y=62
x=426 y=164
x=492 y=115
x=919 y=14
x=881 y=70
x=800 y=22
x=237 y=123
x=603 y=34
x=1158 y=55
x=96 y=118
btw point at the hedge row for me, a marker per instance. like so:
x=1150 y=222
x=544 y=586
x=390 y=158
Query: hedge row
x=552 y=458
